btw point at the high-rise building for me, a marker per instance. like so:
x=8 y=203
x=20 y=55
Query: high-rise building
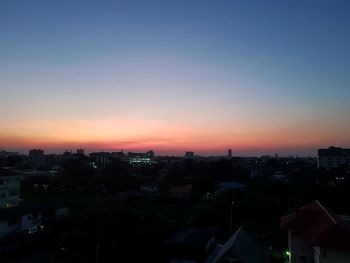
x=333 y=157
x=229 y=153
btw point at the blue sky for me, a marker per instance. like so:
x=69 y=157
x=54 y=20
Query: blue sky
x=255 y=76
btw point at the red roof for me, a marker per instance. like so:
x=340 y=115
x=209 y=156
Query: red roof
x=320 y=226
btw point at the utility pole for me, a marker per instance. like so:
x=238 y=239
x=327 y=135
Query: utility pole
x=231 y=217
x=97 y=250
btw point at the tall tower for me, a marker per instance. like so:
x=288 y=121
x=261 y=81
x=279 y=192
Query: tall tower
x=229 y=153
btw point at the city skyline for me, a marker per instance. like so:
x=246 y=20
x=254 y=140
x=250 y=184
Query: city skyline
x=179 y=153
x=256 y=77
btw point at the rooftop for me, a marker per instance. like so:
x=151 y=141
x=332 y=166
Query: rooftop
x=320 y=226
x=242 y=247
x=334 y=151
x=7 y=172
x=196 y=237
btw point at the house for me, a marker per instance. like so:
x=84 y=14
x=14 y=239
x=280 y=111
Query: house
x=9 y=188
x=16 y=221
x=28 y=220
x=192 y=244
x=31 y=221
x=241 y=247
x=316 y=234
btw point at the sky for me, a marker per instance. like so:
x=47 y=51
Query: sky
x=259 y=77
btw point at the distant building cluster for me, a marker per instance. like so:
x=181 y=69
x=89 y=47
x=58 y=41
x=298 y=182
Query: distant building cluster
x=101 y=159
x=16 y=219
x=141 y=158
x=330 y=158
x=5 y=154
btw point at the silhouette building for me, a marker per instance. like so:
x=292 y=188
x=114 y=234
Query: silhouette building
x=37 y=158
x=333 y=157
x=80 y=151
x=189 y=155
x=36 y=153
x=141 y=158
x=4 y=154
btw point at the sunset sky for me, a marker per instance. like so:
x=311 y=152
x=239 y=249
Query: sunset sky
x=259 y=77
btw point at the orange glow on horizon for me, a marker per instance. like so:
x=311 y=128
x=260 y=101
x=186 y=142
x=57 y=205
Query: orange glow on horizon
x=163 y=137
